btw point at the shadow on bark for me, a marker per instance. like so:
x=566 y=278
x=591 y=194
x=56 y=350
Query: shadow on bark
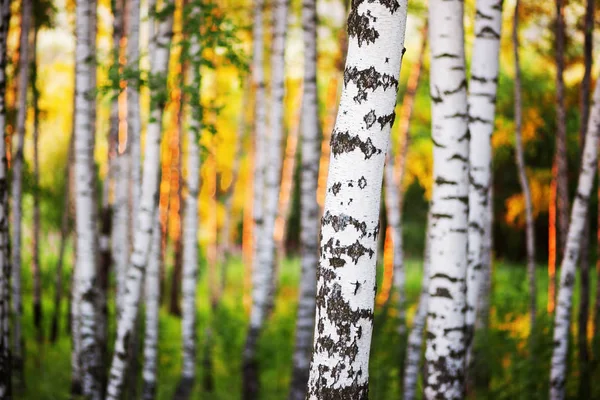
x=250 y=384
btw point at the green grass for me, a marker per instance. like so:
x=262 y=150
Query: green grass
x=503 y=353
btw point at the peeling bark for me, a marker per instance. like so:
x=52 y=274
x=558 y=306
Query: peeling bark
x=558 y=371
x=350 y=224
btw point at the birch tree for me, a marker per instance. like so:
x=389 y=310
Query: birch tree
x=85 y=290
x=584 y=305
x=190 y=222
x=152 y=299
x=259 y=277
x=482 y=108
x=309 y=208
x=561 y=130
x=446 y=341
x=350 y=223
x=134 y=126
x=148 y=200
x=523 y=181
x=562 y=318
x=415 y=337
x=17 y=186
x=5 y=346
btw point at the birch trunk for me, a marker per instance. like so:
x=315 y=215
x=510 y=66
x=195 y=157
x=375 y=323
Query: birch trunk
x=446 y=339
x=85 y=288
x=483 y=302
x=350 y=223
x=584 y=305
x=482 y=108
x=523 y=181
x=17 y=188
x=250 y=378
x=552 y=241
x=263 y=285
x=415 y=337
x=309 y=208
x=148 y=203
x=190 y=223
x=152 y=297
x=561 y=131
x=35 y=240
x=134 y=126
x=567 y=274
x=5 y=346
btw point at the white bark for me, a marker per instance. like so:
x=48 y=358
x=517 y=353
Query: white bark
x=17 y=183
x=5 y=351
x=263 y=285
x=84 y=285
x=445 y=352
x=145 y=217
x=152 y=298
x=482 y=108
x=350 y=223
x=309 y=208
x=134 y=125
x=190 y=222
x=415 y=337
x=558 y=369
x=120 y=226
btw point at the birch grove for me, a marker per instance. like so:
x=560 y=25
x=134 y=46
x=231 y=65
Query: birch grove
x=445 y=353
x=482 y=107
x=572 y=252
x=350 y=223
x=148 y=203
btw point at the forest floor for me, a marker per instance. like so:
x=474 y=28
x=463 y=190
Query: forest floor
x=502 y=354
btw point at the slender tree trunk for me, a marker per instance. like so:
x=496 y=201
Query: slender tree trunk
x=35 y=240
x=561 y=131
x=415 y=337
x=17 y=189
x=5 y=350
x=483 y=303
x=190 y=223
x=133 y=110
x=482 y=108
x=584 y=303
x=250 y=374
x=523 y=181
x=309 y=208
x=350 y=223
x=85 y=288
x=286 y=190
x=552 y=240
x=446 y=339
x=579 y=212
x=64 y=233
x=152 y=294
x=148 y=203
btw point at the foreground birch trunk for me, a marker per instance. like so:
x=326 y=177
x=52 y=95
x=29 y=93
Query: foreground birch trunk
x=309 y=208
x=149 y=195
x=84 y=285
x=558 y=371
x=134 y=125
x=5 y=350
x=445 y=354
x=350 y=223
x=415 y=337
x=17 y=188
x=523 y=181
x=483 y=84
